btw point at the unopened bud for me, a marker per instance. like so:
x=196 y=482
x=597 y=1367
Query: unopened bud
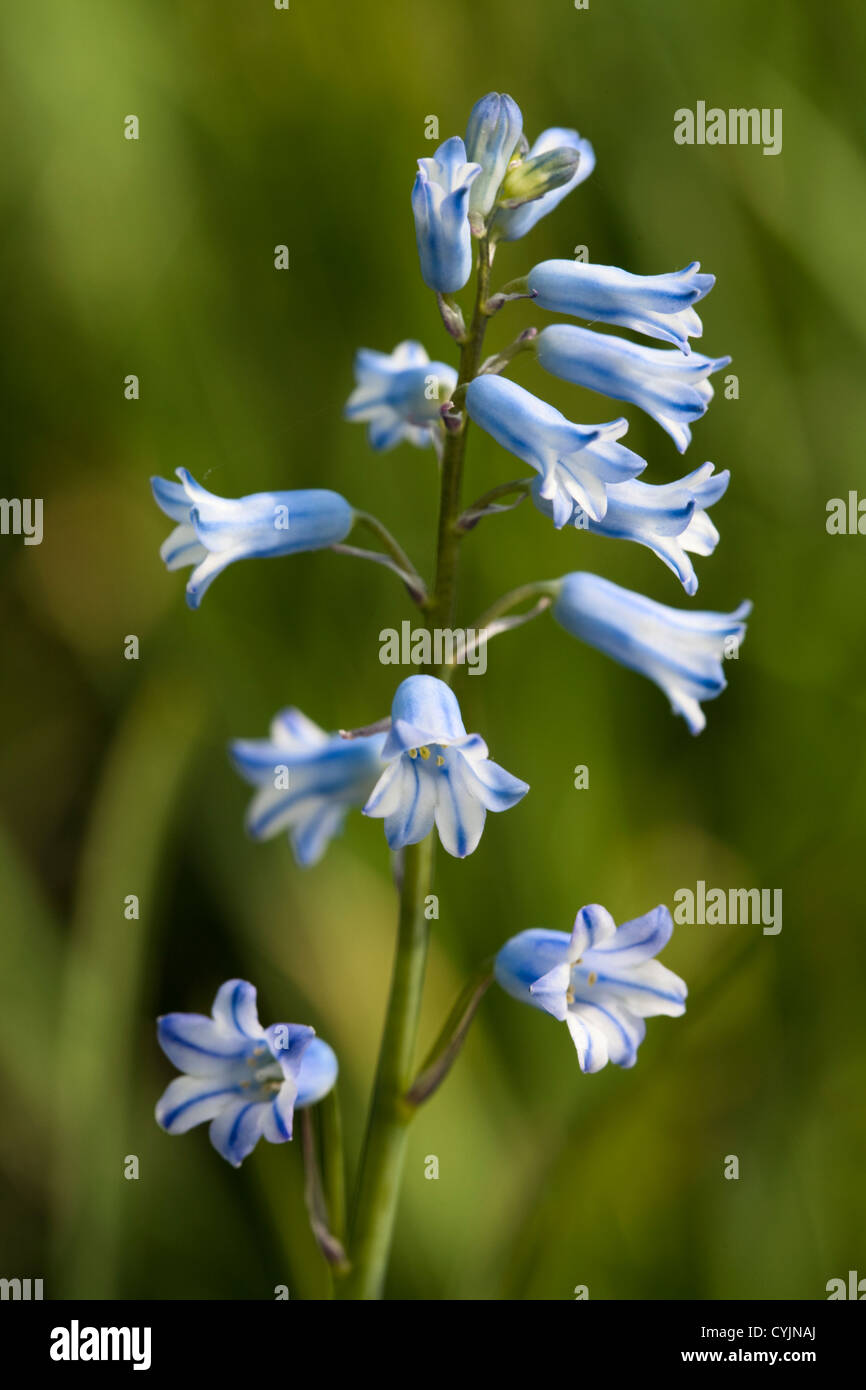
x=529 y=179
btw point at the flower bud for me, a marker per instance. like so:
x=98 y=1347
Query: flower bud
x=528 y=179
x=492 y=133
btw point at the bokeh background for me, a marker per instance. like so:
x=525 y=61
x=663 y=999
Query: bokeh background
x=155 y=257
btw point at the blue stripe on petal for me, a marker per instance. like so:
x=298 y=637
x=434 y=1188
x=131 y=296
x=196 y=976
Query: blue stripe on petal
x=460 y=815
x=234 y=1008
x=188 y=1101
x=235 y=1132
x=637 y=940
x=495 y=788
x=171 y=498
x=195 y=1044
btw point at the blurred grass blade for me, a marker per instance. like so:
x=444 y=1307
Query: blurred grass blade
x=31 y=977
x=133 y=810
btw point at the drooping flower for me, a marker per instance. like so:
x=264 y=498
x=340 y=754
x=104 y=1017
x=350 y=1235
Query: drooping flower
x=577 y=463
x=602 y=980
x=493 y=130
x=681 y=651
x=669 y=386
x=308 y=780
x=669 y=518
x=440 y=203
x=659 y=306
x=213 y=531
x=244 y=1079
x=437 y=772
x=399 y=394
x=512 y=223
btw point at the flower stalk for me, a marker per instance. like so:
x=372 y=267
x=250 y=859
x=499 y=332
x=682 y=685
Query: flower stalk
x=454 y=452
x=385 y=1145
x=390 y=1113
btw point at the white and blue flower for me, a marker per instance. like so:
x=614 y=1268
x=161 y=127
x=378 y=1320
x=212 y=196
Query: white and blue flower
x=669 y=386
x=576 y=463
x=437 y=773
x=681 y=651
x=440 y=204
x=308 y=781
x=214 y=532
x=659 y=306
x=510 y=224
x=669 y=518
x=602 y=980
x=245 y=1080
x=494 y=128
x=398 y=395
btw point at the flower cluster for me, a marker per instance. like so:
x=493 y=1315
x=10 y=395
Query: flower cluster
x=494 y=186
x=418 y=769
x=425 y=770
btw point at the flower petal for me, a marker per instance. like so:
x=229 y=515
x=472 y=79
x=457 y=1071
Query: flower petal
x=607 y=1032
x=278 y=1120
x=460 y=815
x=235 y=1132
x=424 y=711
x=192 y=1100
x=495 y=788
x=318 y=1073
x=198 y=1046
x=234 y=1009
x=313 y=833
x=171 y=498
x=413 y=817
x=633 y=942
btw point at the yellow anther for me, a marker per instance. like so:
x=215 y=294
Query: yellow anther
x=569 y=996
x=425 y=753
x=413 y=752
x=440 y=761
x=591 y=978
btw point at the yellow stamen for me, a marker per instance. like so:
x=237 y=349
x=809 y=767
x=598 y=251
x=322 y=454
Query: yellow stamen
x=413 y=752
x=440 y=761
x=591 y=978
x=425 y=753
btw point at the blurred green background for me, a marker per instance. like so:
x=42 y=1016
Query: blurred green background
x=260 y=127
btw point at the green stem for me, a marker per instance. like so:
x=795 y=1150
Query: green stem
x=445 y=592
x=542 y=588
x=487 y=502
x=385 y=1145
x=384 y=1152
x=443 y=1053
x=394 y=549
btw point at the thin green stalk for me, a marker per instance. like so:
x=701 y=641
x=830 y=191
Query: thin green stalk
x=393 y=546
x=453 y=453
x=381 y=1167
x=385 y=1146
x=542 y=588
